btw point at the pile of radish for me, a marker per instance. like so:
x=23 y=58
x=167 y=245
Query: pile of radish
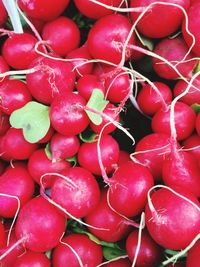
x=99 y=133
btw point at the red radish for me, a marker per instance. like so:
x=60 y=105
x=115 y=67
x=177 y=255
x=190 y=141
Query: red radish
x=119 y=263
x=181 y=169
x=18 y=50
x=193 y=95
x=78 y=197
x=38 y=24
x=193 y=256
x=197 y=124
x=76 y=249
x=124 y=156
x=43 y=10
x=53 y=78
x=113 y=113
x=39 y=164
x=45 y=233
x=62 y=34
x=173 y=50
x=4 y=15
x=87 y=84
x=156 y=22
x=129 y=187
x=2 y=235
x=14 y=146
x=184 y=118
x=115 y=226
x=4 y=123
x=88 y=154
x=150 y=254
x=63 y=147
x=96 y=11
x=32 y=259
x=137 y=55
x=14 y=95
x=3 y=64
x=15 y=181
x=192 y=145
x=167 y=220
x=151 y=100
x=79 y=58
x=67 y=114
x=193 y=19
x=108 y=36
x=151 y=150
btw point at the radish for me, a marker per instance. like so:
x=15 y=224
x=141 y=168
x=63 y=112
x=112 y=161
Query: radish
x=108 y=36
x=174 y=51
x=193 y=256
x=197 y=124
x=88 y=156
x=156 y=22
x=3 y=67
x=51 y=78
x=124 y=156
x=4 y=123
x=79 y=197
x=40 y=9
x=18 y=50
x=62 y=34
x=4 y=15
x=68 y=110
x=150 y=100
x=192 y=145
x=32 y=259
x=119 y=263
x=115 y=226
x=45 y=233
x=184 y=121
x=15 y=181
x=2 y=235
x=47 y=136
x=39 y=164
x=129 y=187
x=167 y=218
x=78 y=250
x=14 y=95
x=150 y=254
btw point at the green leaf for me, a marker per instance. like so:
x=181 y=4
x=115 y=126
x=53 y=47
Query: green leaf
x=47 y=151
x=72 y=160
x=112 y=253
x=34 y=119
x=87 y=136
x=98 y=103
x=147 y=42
x=196 y=108
x=197 y=68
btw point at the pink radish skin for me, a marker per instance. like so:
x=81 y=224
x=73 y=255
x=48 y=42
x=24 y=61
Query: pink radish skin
x=40 y=9
x=156 y=22
x=181 y=170
x=173 y=50
x=52 y=79
x=14 y=94
x=169 y=224
x=78 y=199
x=4 y=15
x=40 y=236
x=32 y=259
x=119 y=263
x=18 y=50
x=67 y=114
x=87 y=250
x=193 y=256
x=62 y=34
x=197 y=124
x=192 y=145
x=4 y=123
x=150 y=101
x=39 y=164
x=184 y=121
x=88 y=155
x=87 y=84
x=107 y=37
x=15 y=181
x=3 y=64
x=2 y=235
x=63 y=147
x=150 y=254
x=129 y=187
x=124 y=156
x=116 y=227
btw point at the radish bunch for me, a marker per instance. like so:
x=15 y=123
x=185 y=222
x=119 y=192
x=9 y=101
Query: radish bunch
x=99 y=133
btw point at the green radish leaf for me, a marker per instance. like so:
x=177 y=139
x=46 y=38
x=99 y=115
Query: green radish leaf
x=112 y=253
x=48 y=151
x=34 y=119
x=87 y=136
x=147 y=42
x=97 y=103
x=196 y=108
x=197 y=68
x=72 y=160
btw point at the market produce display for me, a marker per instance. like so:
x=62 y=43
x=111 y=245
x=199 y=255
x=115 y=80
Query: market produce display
x=99 y=133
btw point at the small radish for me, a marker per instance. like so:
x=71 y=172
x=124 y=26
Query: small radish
x=119 y=263
x=193 y=256
x=115 y=227
x=45 y=233
x=108 y=36
x=4 y=123
x=167 y=218
x=124 y=156
x=192 y=145
x=197 y=124
x=14 y=95
x=4 y=15
x=32 y=259
x=151 y=100
x=81 y=196
x=62 y=34
x=88 y=156
x=3 y=66
x=78 y=250
x=51 y=78
x=67 y=114
x=2 y=235
x=150 y=254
